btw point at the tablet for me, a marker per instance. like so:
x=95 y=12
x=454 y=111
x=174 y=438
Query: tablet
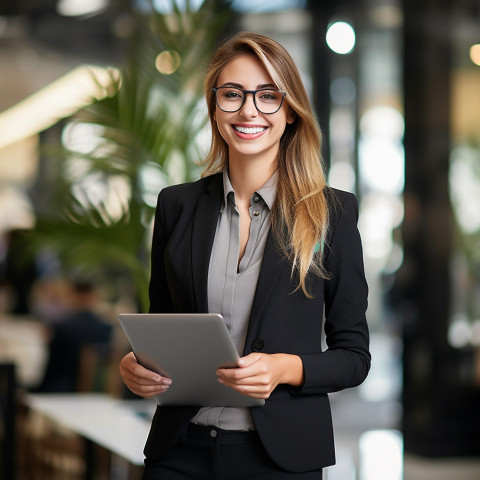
x=188 y=348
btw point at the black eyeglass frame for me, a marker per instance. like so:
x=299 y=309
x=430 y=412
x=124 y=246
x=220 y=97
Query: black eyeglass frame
x=245 y=93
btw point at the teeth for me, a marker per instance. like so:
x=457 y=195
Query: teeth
x=249 y=129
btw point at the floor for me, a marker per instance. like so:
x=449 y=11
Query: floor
x=369 y=443
x=371 y=448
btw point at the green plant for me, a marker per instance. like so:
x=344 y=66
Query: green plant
x=146 y=136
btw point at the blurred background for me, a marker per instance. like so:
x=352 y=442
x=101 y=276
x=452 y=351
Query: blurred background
x=101 y=107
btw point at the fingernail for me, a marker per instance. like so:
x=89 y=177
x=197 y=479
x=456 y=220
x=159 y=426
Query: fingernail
x=167 y=381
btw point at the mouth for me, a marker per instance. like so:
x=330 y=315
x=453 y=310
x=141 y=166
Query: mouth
x=249 y=130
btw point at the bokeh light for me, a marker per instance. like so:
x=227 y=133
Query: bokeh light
x=341 y=38
x=475 y=54
x=168 y=62
x=381 y=454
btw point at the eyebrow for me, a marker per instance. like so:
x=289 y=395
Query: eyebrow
x=238 y=85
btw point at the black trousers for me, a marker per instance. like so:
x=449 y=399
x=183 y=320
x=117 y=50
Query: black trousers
x=209 y=453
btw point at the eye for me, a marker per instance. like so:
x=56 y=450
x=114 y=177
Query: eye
x=232 y=94
x=269 y=95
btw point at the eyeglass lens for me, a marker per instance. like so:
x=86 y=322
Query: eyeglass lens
x=232 y=99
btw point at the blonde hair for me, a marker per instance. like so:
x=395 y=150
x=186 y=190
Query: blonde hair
x=300 y=212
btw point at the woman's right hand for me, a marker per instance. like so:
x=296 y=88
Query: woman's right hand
x=141 y=381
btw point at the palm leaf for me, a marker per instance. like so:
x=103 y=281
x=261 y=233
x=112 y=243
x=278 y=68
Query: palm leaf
x=148 y=123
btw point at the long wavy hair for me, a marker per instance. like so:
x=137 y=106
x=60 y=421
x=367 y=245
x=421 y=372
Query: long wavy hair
x=300 y=212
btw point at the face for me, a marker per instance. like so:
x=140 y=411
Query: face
x=249 y=133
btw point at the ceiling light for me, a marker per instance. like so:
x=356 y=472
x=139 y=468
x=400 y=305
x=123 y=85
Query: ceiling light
x=341 y=37
x=77 y=8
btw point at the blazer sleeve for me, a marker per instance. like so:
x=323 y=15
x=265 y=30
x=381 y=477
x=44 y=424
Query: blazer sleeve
x=160 y=299
x=346 y=361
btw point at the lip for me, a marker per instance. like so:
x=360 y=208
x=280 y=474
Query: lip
x=249 y=136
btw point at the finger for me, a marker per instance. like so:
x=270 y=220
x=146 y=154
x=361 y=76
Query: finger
x=248 y=390
x=148 y=390
x=235 y=378
x=245 y=373
x=153 y=382
x=249 y=359
x=130 y=367
x=257 y=383
x=238 y=373
x=143 y=372
x=239 y=384
x=145 y=389
x=143 y=394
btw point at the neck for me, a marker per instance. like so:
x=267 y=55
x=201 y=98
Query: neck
x=248 y=177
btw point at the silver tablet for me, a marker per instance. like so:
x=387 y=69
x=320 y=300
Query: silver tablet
x=188 y=348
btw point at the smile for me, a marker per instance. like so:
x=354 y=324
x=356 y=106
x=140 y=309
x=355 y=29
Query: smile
x=249 y=130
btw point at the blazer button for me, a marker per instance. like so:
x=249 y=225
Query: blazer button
x=257 y=344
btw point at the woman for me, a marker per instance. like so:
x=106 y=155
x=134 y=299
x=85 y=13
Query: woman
x=262 y=240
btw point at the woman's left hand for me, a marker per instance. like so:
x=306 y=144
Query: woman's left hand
x=257 y=374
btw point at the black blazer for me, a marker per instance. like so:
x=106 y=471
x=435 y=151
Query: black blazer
x=295 y=424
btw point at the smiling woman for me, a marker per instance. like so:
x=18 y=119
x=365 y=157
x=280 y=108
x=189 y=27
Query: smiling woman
x=263 y=242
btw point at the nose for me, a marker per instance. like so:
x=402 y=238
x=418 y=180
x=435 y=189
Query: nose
x=248 y=109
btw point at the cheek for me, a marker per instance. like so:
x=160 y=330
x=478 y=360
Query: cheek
x=226 y=138
x=221 y=130
x=222 y=124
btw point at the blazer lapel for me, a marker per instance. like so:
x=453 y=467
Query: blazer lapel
x=204 y=227
x=272 y=264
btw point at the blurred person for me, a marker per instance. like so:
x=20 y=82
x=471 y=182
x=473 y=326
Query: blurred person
x=263 y=241
x=50 y=300
x=70 y=333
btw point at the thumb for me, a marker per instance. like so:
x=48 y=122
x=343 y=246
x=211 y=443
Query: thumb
x=249 y=359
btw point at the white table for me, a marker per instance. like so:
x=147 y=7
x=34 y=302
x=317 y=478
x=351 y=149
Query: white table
x=120 y=426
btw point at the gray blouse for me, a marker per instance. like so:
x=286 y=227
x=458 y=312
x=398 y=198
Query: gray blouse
x=231 y=285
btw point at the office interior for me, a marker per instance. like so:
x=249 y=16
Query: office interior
x=101 y=107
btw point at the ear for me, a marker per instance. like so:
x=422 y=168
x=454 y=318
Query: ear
x=291 y=115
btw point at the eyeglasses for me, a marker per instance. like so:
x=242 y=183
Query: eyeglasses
x=230 y=99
